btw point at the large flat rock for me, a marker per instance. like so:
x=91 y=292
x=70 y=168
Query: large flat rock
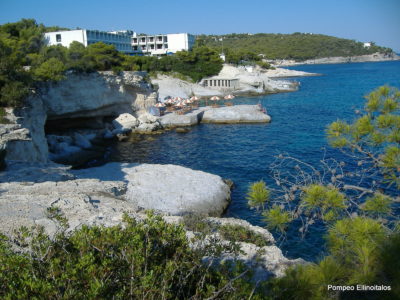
x=174 y=120
x=101 y=195
x=235 y=114
x=170 y=189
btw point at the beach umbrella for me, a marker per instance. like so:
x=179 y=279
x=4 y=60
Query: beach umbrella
x=215 y=98
x=194 y=98
x=229 y=97
x=180 y=104
x=159 y=105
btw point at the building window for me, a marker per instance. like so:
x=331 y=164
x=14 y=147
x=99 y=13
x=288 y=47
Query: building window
x=151 y=39
x=135 y=48
x=166 y=46
x=58 y=38
x=135 y=40
x=152 y=47
x=159 y=46
x=143 y=40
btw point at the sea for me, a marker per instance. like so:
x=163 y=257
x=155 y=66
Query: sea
x=244 y=153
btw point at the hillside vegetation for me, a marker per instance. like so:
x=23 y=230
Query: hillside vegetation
x=298 y=46
x=26 y=62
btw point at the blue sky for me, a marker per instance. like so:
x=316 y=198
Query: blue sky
x=363 y=20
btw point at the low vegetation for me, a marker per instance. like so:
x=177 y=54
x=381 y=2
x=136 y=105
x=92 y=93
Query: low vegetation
x=238 y=233
x=140 y=260
x=197 y=223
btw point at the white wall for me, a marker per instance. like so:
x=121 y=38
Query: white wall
x=179 y=42
x=67 y=37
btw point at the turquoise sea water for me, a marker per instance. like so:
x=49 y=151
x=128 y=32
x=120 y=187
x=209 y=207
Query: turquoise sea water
x=243 y=153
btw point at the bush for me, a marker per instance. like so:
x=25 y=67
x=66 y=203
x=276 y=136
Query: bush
x=13 y=93
x=237 y=233
x=264 y=65
x=51 y=70
x=197 y=223
x=3 y=115
x=140 y=260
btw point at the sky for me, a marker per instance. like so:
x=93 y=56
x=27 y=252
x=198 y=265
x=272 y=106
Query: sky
x=362 y=20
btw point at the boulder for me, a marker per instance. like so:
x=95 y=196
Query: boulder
x=147 y=118
x=188 y=119
x=147 y=127
x=125 y=121
x=101 y=195
x=169 y=189
x=81 y=141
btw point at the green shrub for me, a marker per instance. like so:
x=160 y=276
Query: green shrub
x=237 y=233
x=13 y=94
x=197 y=223
x=140 y=260
x=258 y=195
x=277 y=218
x=264 y=65
x=51 y=70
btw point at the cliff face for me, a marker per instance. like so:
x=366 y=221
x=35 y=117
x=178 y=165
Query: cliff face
x=97 y=95
x=94 y=95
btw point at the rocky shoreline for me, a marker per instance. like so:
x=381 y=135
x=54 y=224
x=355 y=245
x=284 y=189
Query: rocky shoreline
x=73 y=117
x=252 y=81
x=376 y=57
x=101 y=196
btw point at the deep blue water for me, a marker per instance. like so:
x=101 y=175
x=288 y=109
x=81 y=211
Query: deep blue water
x=243 y=153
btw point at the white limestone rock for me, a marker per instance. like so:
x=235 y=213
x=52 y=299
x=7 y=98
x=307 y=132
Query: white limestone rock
x=125 y=121
x=169 y=189
x=147 y=118
x=95 y=94
x=27 y=142
x=267 y=261
x=235 y=114
x=175 y=120
x=147 y=127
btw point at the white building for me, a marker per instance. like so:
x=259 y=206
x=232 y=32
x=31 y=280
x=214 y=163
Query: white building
x=162 y=44
x=120 y=39
x=221 y=83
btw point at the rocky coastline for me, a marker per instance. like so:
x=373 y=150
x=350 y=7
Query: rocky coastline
x=252 y=81
x=69 y=119
x=376 y=57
